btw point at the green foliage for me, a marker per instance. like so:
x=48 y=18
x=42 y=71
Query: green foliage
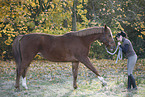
x=35 y=16
x=125 y=15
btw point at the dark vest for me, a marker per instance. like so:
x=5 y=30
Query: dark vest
x=130 y=51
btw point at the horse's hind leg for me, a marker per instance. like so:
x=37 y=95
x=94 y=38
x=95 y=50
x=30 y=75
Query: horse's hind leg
x=75 y=72
x=19 y=71
x=25 y=64
x=24 y=83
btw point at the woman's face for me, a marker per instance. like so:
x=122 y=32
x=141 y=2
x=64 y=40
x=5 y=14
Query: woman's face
x=119 y=38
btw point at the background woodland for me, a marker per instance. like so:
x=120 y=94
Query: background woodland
x=58 y=17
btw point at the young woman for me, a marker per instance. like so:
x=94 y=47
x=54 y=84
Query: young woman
x=128 y=50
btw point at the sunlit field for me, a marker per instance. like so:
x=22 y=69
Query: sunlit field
x=48 y=79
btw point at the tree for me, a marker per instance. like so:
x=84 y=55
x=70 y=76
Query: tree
x=74 y=26
x=125 y=15
x=33 y=16
x=60 y=16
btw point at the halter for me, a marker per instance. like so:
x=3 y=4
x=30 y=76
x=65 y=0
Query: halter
x=104 y=37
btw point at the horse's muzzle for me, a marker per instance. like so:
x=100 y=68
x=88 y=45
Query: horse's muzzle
x=112 y=48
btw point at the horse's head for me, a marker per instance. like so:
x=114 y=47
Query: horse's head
x=107 y=38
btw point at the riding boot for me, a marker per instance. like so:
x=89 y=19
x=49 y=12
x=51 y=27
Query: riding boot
x=133 y=82
x=129 y=82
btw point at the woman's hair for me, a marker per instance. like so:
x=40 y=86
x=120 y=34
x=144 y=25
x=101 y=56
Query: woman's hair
x=122 y=33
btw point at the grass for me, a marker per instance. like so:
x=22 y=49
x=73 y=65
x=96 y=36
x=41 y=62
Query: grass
x=48 y=79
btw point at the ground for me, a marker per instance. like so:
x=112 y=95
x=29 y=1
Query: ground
x=48 y=79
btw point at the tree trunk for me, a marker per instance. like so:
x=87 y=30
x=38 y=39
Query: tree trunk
x=74 y=25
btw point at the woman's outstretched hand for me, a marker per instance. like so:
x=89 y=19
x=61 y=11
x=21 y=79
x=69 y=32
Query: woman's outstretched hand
x=119 y=43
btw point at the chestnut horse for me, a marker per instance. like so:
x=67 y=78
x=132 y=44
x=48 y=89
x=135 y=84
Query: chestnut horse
x=70 y=47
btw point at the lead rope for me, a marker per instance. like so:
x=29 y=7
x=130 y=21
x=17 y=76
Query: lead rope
x=119 y=56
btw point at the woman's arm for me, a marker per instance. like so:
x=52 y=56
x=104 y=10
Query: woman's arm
x=125 y=48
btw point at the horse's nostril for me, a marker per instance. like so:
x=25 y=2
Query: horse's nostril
x=111 y=49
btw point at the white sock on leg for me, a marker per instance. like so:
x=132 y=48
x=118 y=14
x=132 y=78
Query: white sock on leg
x=24 y=83
x=104 y=83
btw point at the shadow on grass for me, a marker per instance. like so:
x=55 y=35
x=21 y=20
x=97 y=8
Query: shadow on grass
x=68 y=93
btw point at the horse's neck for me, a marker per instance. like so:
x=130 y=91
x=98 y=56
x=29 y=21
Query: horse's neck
x=91 y=38
x=96 y=36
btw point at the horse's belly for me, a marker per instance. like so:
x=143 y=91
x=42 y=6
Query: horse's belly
x=60 y=58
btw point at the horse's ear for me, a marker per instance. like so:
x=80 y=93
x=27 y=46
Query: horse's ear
x=105 y=26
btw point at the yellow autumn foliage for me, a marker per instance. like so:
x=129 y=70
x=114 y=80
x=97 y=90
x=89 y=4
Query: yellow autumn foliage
x=30 y=16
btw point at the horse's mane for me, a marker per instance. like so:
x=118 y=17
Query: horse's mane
x=88 y=31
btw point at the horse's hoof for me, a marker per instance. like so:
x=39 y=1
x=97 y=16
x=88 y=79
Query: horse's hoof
x=104 y=84
x=75 y=87
x=17 y=89
x=25 y=86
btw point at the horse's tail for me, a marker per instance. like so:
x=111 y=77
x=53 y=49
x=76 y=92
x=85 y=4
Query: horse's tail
x=16 y=50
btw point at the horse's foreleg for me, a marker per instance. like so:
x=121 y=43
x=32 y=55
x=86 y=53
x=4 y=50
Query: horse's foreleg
x=75 y=72
x=104 y=83
x=88 y=64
